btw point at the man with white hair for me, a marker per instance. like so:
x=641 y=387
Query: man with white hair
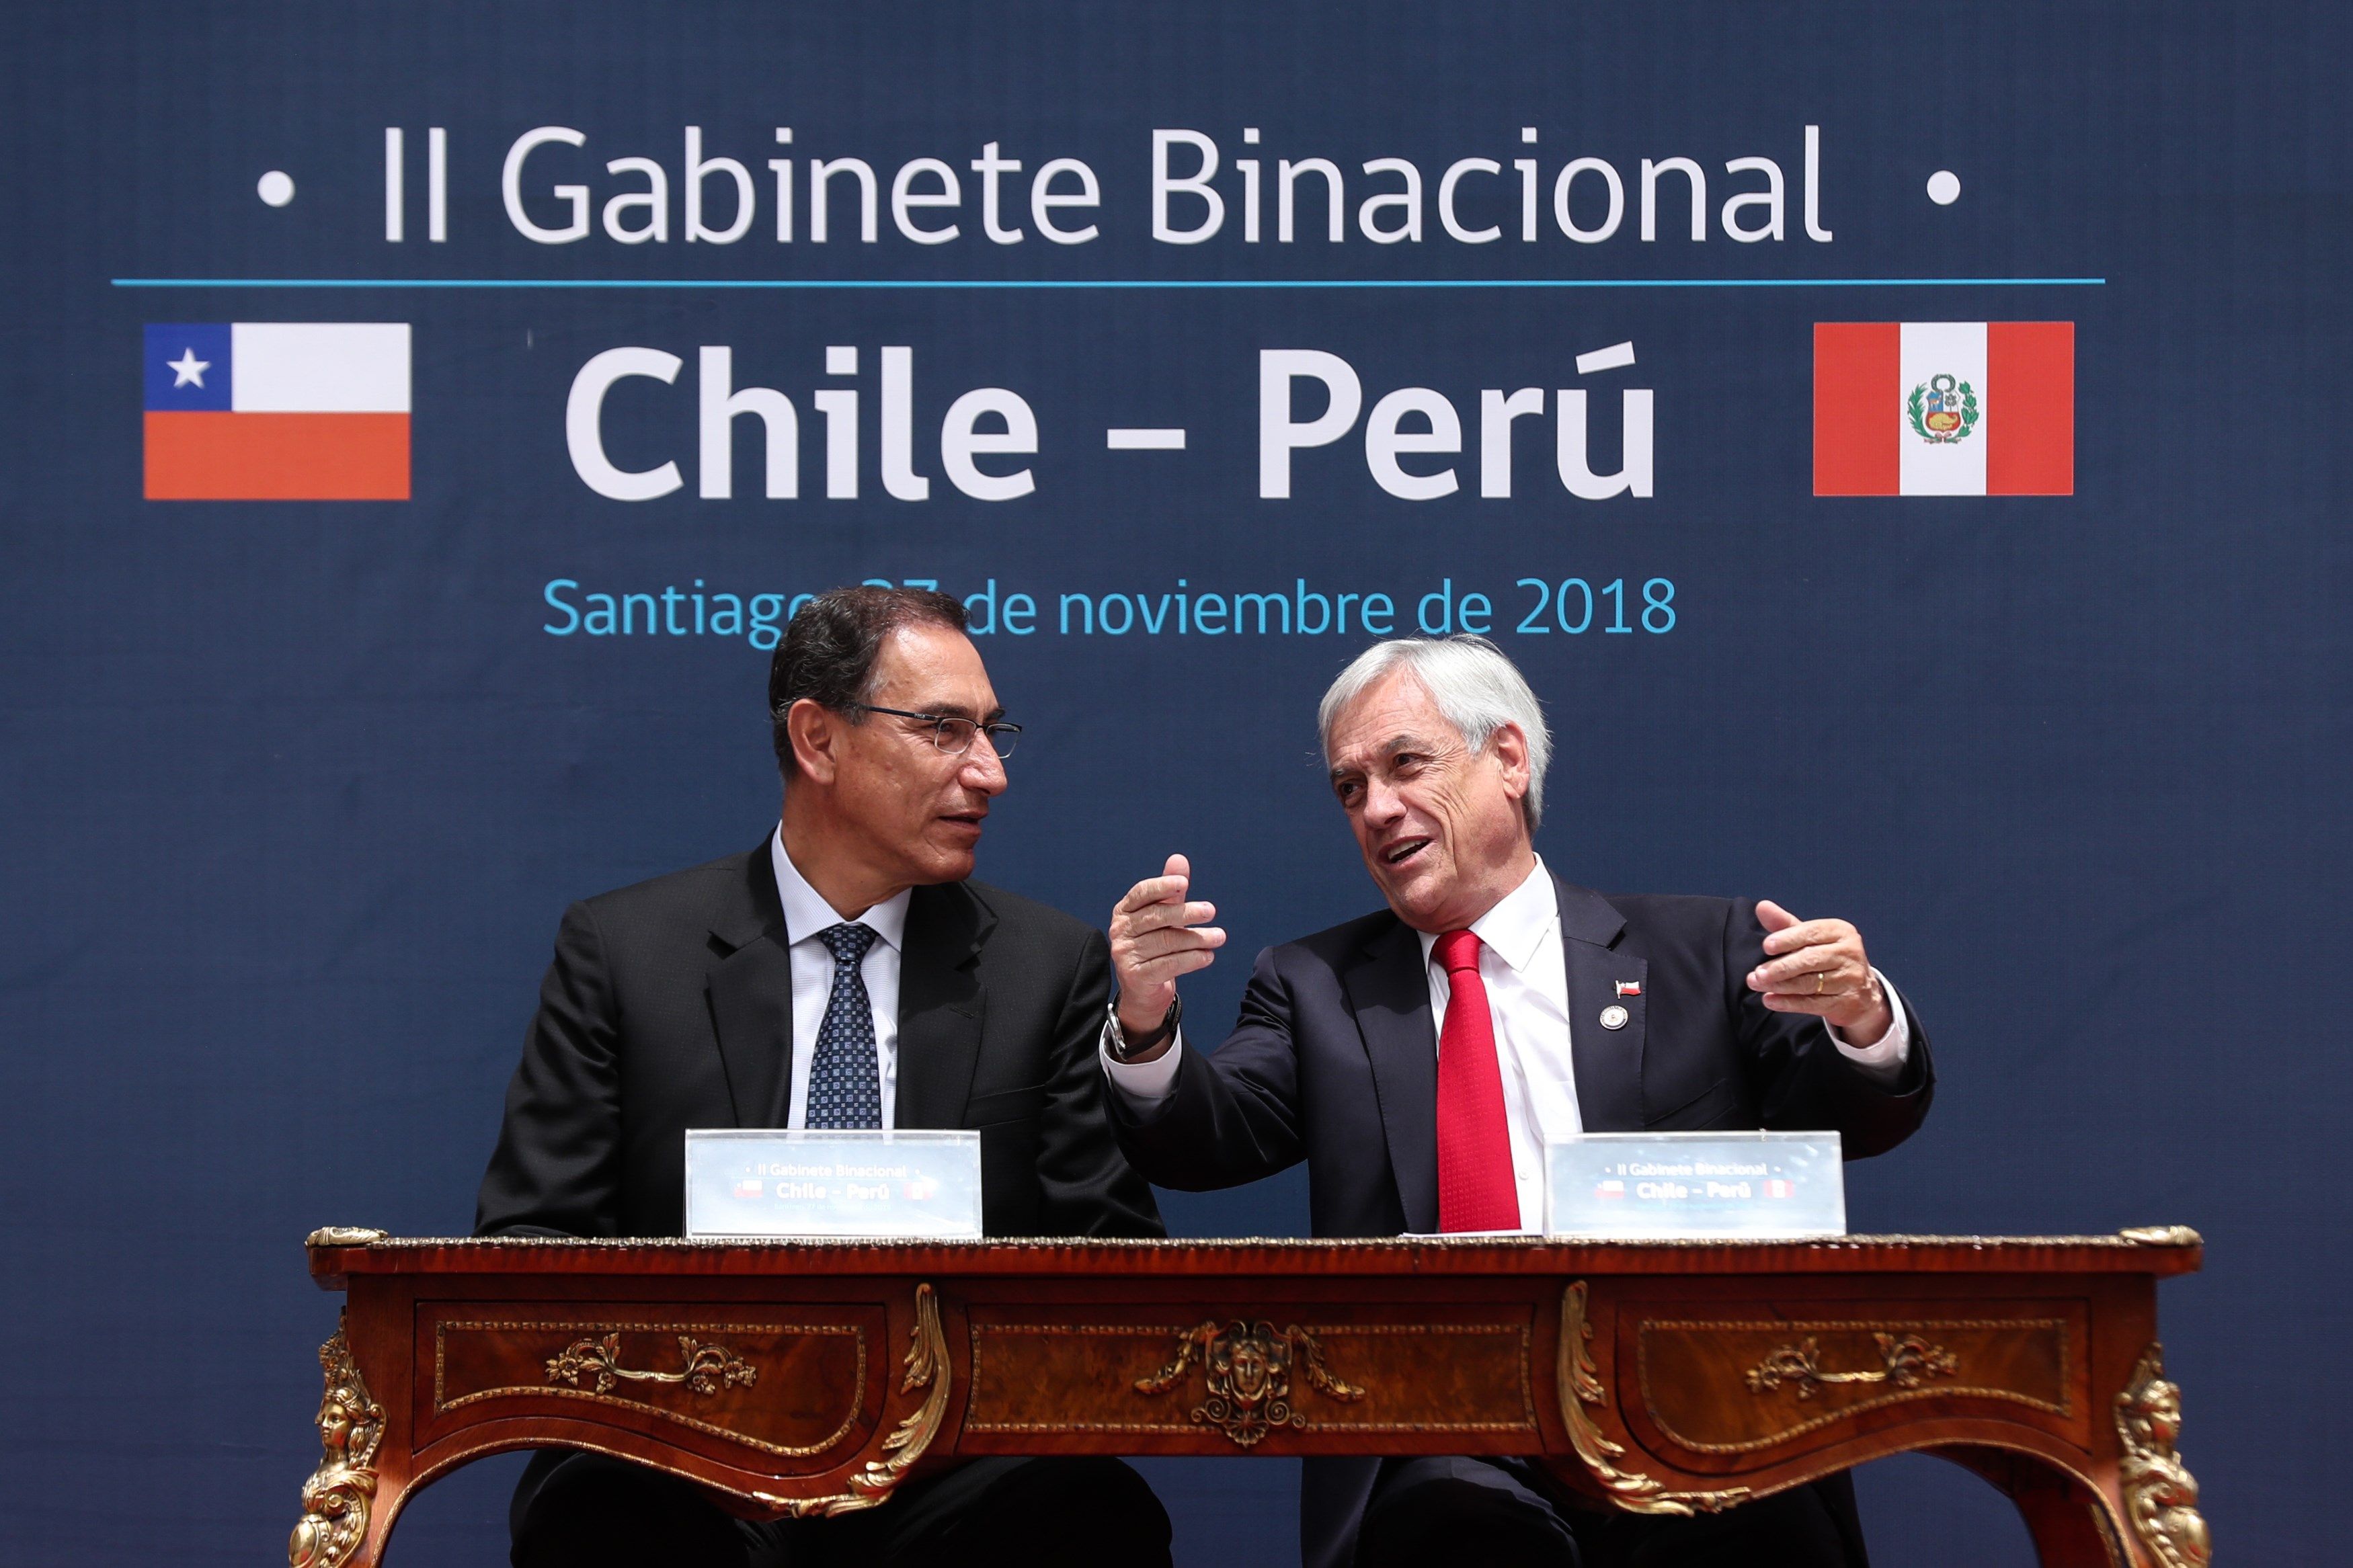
x=1418 y=1059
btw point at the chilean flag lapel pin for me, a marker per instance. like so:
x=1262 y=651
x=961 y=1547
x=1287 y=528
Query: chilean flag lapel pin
x=1629 y=988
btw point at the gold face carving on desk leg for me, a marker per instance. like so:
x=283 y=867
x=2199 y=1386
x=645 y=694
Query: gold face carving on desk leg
x=335 y=1498
x=1246 y=1373
x=1580 y=1385
x=2160 y=1497
x=927 y=1368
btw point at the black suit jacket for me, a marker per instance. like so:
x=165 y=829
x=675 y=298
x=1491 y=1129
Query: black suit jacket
x=1336 y=1062
x=670 y=1005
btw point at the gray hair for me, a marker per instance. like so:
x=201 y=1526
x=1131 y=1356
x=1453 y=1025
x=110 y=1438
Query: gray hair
x=1477 y=689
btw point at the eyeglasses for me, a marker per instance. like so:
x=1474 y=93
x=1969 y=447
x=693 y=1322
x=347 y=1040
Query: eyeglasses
x=952 y=735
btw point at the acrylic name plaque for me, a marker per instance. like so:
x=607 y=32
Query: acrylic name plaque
x=886 y=1184
x=1673 y=1186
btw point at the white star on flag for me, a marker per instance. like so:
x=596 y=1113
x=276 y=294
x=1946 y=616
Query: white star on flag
x=188 y=368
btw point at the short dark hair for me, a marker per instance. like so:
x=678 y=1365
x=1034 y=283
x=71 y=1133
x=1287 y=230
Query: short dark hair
x=829 y=651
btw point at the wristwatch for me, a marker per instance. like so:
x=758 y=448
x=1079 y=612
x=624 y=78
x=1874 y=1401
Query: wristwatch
x=1123 y=1049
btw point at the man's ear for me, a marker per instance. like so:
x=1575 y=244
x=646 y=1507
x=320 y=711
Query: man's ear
x=1509 y=744
x=815 y=731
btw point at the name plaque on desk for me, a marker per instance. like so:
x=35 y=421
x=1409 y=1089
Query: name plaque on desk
x=1672 y=1186
x=884 y=1183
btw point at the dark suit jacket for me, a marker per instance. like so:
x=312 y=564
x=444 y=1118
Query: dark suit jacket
x=1336 y=1062
x=670 y=1005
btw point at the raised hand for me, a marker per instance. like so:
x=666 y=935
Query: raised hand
x=1820 y=967
x=1155 y=937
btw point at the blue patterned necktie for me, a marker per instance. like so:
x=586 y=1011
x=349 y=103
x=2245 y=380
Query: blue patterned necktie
x=845 y=1084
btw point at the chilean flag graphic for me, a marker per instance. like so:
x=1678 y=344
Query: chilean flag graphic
x=1944 y=408
x=277 y=411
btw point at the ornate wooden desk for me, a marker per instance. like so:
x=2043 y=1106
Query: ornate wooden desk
x=815 y=1378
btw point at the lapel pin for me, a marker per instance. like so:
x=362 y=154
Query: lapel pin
x=1629 y=988
x=1613 y=1016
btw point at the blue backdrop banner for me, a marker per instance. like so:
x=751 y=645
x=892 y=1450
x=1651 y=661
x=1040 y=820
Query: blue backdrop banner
x=1899 y=442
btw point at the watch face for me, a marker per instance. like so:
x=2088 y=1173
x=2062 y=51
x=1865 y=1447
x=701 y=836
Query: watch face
x=1125 y=1049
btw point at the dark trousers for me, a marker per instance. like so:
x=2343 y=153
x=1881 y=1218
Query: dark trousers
x=1508 y=1513
x=585 y=1510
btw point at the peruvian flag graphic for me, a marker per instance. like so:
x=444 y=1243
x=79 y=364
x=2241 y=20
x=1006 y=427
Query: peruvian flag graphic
x=1944 y=408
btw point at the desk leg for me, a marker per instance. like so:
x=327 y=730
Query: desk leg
x=2147 y=1488
x=2159 y=1495
x=346 y=1508
x=2068 y=1521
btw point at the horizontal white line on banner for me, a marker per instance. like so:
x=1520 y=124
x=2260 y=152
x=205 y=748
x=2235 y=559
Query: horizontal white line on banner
x=1101 y=282
x=1144 y=440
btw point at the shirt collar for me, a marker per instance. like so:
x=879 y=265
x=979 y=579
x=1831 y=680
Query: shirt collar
x=806 y=912
x=1519 y=925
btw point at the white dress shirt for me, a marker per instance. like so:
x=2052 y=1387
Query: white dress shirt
x=805 y=914
x=1525 y=971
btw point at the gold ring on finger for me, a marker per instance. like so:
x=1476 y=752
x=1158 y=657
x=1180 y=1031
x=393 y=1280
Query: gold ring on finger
x=1822 y=981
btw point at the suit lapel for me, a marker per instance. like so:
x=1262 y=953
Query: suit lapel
x=1609 y=1061
x=1390 y=991
x=941 y=1005
x=750 y=992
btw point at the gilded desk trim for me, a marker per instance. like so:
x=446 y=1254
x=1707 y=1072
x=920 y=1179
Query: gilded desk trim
x=927 y=1368
x=340 y=1494
x=1799 y=1327
x=443 y=1327
x=2161 y=1495
x=1181 y=1424
x=1580 y=1386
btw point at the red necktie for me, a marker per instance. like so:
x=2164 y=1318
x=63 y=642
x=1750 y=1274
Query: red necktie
x=1475 y=1190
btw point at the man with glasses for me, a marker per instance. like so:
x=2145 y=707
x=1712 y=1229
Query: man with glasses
x=845 y=973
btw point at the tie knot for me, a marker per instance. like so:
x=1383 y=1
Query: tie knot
x=1458 y=951
x=848 y=943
